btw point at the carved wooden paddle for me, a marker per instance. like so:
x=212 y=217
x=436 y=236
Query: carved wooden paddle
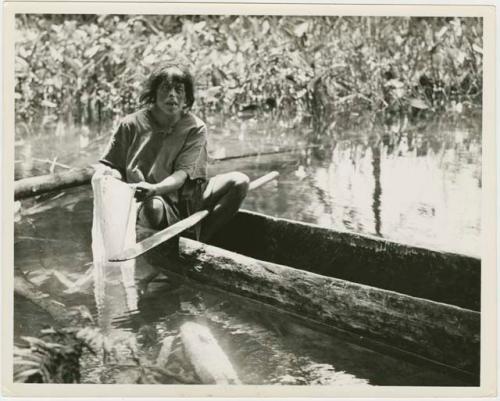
x=177 y=228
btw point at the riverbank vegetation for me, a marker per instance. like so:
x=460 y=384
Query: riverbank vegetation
x=320 y=70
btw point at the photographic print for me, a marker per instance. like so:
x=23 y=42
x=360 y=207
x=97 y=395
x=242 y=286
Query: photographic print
x=250 y=199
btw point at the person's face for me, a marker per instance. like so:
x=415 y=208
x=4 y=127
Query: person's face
x=171 y=97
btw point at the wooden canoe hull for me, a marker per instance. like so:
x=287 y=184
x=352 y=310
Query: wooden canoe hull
x=439 y=276
x=442 y=333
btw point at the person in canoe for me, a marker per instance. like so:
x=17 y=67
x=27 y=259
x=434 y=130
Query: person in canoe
x=162 y=151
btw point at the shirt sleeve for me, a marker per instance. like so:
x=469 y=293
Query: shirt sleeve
x=115 y=154
x=193 y=158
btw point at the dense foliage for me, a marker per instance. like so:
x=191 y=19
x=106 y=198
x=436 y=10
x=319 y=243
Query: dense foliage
x=88 y=68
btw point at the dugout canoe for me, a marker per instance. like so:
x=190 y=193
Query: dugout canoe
x=417 y=303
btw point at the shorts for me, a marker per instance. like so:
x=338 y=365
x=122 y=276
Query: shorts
x=189 y=202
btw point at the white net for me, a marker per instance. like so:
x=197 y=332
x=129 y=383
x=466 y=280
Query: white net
x=113 y=229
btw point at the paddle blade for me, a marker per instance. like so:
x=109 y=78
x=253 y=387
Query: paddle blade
x=160 y=237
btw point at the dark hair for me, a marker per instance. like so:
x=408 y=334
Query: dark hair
x=157 y=77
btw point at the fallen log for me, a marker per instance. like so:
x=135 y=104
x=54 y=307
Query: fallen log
x=446 y=334
x=32 y=186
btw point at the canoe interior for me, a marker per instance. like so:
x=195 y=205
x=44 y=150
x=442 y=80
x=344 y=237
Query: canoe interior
x=443 y=277
x=438 y=332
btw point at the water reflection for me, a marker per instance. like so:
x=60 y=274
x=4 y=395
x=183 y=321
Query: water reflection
x=377 y=190
x=420 y=188
x=416 y=183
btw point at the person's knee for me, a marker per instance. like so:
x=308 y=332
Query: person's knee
x=154 y=213
x=230 y=191
x=240 y=184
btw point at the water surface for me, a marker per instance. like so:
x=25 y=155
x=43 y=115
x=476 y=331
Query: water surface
x=420 y=185
x=265 y=346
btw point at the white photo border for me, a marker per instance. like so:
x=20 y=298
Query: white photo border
x=488 y=381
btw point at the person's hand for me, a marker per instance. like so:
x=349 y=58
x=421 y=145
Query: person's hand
x=144 y=190
x=103 y=170
x=112 y=172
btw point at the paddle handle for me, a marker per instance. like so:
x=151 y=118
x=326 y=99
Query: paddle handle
x=263 y=180
x=195 y=218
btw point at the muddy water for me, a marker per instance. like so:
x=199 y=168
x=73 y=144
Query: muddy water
x=264 y=345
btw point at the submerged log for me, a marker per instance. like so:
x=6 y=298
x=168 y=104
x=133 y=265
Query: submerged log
x=443 y=333
x=165 y=350
x=25 y=288
x=58 y=311
x=208 y=359
x=195 y=356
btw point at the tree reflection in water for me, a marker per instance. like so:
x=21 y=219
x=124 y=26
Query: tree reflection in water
x=413 y=182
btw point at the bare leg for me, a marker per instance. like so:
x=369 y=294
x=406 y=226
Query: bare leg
x=224 y=195
x=152 y=214
x=156 y=214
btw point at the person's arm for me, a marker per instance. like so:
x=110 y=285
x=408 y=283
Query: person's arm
x=194 y=157
x=113 y=161
x=170 y=184
x=190 y=164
